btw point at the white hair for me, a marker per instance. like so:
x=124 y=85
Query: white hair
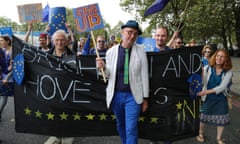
x=60 y=31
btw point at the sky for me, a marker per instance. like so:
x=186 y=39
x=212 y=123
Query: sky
x=110 y=9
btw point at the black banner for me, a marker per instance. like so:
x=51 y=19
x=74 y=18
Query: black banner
x=66 y=97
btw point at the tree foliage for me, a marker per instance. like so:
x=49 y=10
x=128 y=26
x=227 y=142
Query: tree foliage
x=204 y=20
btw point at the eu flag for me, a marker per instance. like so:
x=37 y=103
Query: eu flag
x=157 y=6
x=86 y=48
x=57 y=19
x=45 y=14
x=195 y=85
x=18 y=69
x=148 y=43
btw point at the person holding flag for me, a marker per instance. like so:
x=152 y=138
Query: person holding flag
x=161 y=37
x=6 y=75
x=43 y=38
x=215 y=110
x=128 y=81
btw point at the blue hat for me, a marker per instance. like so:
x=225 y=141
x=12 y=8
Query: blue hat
x=132 y=24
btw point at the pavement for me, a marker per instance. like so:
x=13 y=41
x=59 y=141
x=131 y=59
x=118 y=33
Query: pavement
x=235 y=88
x=9 y=136
x=236 y=75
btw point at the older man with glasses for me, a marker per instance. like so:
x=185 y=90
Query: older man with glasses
x=128 y=82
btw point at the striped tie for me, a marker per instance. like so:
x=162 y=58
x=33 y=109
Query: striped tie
x=126 y=66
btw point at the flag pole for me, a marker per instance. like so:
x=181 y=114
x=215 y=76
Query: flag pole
x=97 y=53
x=184 y=14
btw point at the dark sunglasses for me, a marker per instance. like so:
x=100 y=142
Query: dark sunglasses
x=207 y=52
x=101 y=41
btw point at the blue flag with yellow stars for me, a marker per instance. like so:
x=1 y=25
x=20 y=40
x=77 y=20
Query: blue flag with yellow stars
x=57 y=19
x=18 y=69
x=195 y=85
x=148 y=43
x=86 y=48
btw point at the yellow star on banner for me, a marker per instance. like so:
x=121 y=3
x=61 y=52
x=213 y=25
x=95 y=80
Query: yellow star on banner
x=76 y=116
x=27 y=111
x=38 y=114
x=90 y=116
x=154 y=120
x=103 y=117
x=50 y=116
x=63 y=116
x=113 y=117
x=141 y=119
x=179 y=105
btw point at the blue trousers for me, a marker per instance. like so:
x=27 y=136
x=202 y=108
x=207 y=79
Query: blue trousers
x=127 y=113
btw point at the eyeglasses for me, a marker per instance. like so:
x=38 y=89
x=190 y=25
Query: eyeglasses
x=101 y=41
x=135 y=33
x=207 y=52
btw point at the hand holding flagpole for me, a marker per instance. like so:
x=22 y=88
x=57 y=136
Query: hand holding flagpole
x=179 y=28
x=86 y=26
x=97 y=53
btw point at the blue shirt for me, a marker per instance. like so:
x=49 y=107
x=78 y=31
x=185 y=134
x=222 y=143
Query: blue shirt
x=204 y=61
x=101 y=52
x=214 y=81
x=158 y=50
